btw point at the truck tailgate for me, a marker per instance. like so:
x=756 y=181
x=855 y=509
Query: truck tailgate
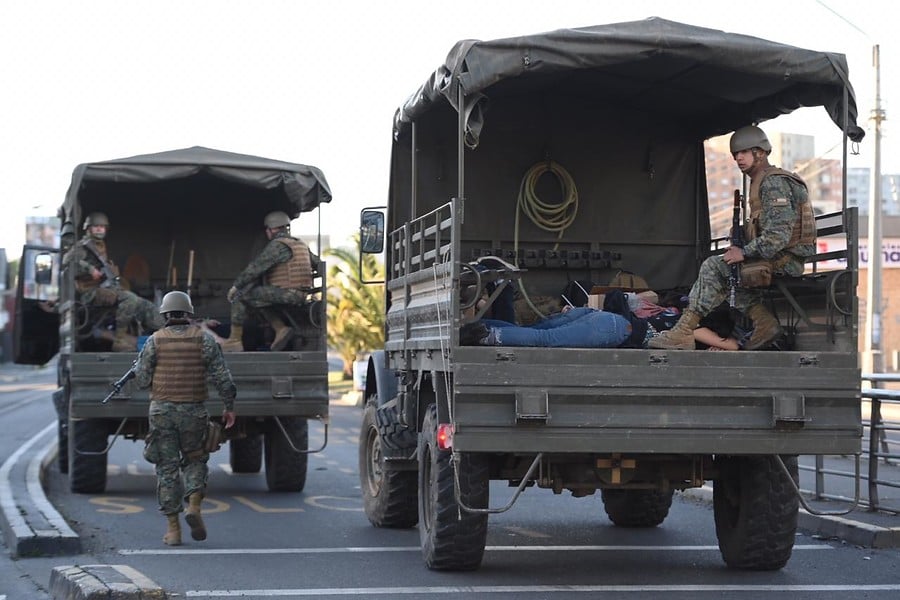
x=655 y=401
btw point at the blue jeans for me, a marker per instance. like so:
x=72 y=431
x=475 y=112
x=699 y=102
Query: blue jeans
x=578 y=328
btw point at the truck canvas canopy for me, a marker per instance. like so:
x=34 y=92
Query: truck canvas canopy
x=710 y=81
x=292 y=188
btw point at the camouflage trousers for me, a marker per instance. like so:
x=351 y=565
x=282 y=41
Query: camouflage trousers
x=131 y=309
x=176 y=445
x=711 y=289
x=261 y=297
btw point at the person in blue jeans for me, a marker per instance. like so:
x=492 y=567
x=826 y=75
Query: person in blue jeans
x=575 y=328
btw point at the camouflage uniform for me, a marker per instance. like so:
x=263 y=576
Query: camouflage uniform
x=780 y=210
x=261 y=296
x=130 y=308
x=178 y=428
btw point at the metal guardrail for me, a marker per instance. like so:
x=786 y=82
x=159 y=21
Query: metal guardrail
x=881 y=447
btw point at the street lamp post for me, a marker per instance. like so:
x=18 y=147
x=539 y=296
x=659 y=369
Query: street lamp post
x=874 y=355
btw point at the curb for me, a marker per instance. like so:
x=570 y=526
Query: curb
x=31 y=524
x=90 y=582
x=827 y=526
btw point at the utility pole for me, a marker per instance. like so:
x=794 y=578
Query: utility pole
x=874 y=357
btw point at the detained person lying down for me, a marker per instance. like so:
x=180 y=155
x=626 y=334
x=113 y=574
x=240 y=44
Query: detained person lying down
x=575 y=328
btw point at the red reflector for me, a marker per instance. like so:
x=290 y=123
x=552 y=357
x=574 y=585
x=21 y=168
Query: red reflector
x=445 y=436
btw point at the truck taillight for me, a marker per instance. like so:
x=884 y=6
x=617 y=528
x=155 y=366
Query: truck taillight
x=445 y=436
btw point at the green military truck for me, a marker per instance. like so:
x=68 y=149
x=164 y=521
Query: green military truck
x=578 y=155
x=188 y=219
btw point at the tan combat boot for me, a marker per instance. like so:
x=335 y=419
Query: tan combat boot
x=283 y=333
x=681 y=336
x=766 y=328
x=173 y=533
x=234 y=343
x=193 y=518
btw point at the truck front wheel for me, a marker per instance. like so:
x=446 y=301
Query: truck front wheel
x=451 y=538
x=87 y=459
x=755 y=509
x=390 y=497
x=62 y=454
x=636 y=508
x=285 y=467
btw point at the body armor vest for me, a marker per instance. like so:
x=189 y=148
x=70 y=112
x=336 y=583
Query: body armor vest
x=804 y=230
x=295 y=273
x=180 y=374
x=95 y=254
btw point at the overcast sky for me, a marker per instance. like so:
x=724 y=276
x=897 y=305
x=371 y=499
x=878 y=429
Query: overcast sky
x=317 y=82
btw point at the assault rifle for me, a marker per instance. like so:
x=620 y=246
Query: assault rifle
x=120 y=383
x=737 y=240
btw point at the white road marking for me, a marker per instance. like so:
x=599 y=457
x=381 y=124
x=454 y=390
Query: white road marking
x=362 y=549
x=7 y=503
x=537 y=589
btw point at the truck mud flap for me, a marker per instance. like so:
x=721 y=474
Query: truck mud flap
x=516 y=494
x=294 y=448
x=109 y=446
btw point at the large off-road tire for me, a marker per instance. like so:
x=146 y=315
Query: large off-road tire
x=285 y=467
x=636 y=508
x=62 y=453
x=451 y=538
x=245 y=454
x=390 y=498
x=756 y=510
x=87 y=472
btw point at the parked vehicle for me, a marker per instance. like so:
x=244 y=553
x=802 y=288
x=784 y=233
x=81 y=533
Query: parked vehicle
x=617 y=115
x=186 y=219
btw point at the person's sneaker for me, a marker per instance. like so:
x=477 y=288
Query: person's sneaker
x=471 y=334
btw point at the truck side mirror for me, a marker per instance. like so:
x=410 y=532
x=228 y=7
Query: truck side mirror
x=371 y=232
x=43 y=268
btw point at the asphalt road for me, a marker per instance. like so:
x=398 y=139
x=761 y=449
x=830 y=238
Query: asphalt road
x=318 y=543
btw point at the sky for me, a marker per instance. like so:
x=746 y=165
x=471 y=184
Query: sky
x=317 y=82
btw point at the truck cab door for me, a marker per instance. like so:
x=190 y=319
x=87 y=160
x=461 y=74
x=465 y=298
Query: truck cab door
x=36 y=331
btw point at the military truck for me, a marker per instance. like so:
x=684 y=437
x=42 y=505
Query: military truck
x=188 y=219
x=578 y=155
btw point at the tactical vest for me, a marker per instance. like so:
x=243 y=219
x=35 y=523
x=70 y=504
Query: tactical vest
x=95 y=254
x=295 y=273
x=180 y=374
x=804 y=230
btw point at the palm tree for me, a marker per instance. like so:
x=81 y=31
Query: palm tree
x=355 y=309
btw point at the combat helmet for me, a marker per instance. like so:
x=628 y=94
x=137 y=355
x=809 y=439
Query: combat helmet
x=276 y=219
x=748 y=137
x=176 y=302
x=95 y=218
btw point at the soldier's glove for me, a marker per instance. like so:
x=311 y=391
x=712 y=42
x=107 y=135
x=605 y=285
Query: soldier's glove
x=232 y=294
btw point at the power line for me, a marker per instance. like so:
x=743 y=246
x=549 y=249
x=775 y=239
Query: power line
x=843 y=18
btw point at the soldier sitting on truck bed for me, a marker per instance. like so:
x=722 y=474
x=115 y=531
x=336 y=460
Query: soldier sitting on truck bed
x=782 y=230
x=281 y=274
x=97 y=285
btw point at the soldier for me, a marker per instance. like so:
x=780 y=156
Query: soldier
x=281 y=274
x=175 y=363
x=97 y=284
x=781 y=230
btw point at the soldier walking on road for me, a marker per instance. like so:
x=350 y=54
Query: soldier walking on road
x=175 y=363
x=782 y=230
x=281 y=274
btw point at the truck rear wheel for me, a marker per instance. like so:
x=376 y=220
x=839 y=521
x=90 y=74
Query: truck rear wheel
x=451 y=538
x=87 y=472
x=285 y=468
x=245 y=454
x=636 y=508
x=756 y=511
x=390 y=497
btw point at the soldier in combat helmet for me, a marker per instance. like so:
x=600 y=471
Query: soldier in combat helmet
x=97 y=284
x=781 y=230
x=281 y=274
x=175 y=364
